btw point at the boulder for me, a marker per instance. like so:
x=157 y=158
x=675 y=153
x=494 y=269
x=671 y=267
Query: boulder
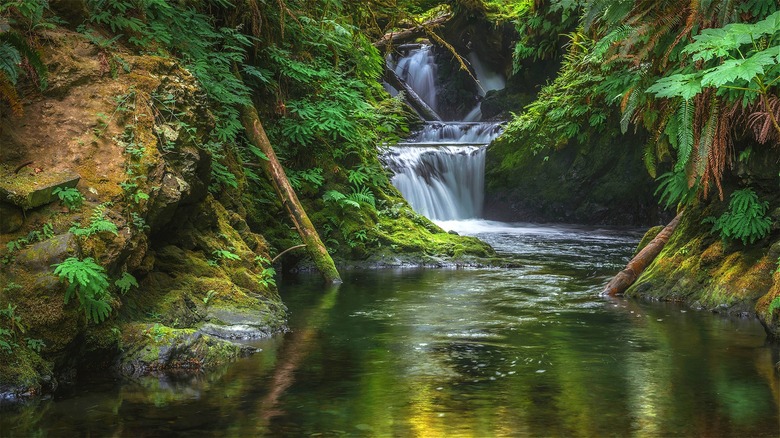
x=30 y=189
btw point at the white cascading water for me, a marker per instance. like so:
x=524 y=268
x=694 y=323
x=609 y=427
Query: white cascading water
x=441 y=169
x=418 y=70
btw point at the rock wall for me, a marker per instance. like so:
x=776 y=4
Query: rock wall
x=602 y=181
x=135 y=138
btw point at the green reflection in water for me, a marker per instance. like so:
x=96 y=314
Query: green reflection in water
x=517 y=352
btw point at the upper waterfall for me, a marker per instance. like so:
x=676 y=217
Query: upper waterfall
x=418 y=70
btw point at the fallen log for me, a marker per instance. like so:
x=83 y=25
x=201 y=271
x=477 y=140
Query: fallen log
x=275 y=173
x=415 y=101
x=402 y=36
x=641 y=261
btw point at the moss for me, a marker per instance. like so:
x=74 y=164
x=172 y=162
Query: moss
x=23 y=372
x=649 y=235
x=697 y=268
x=148 y=348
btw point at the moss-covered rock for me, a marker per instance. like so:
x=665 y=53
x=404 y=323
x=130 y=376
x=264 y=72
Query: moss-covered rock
x=698 y=268
x=601 y=181
x=151 y=182
x=150 y=348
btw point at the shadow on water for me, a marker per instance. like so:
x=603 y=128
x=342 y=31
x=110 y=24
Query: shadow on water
x=529 y=351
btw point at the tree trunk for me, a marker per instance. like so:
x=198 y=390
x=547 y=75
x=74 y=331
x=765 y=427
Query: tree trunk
x=274 y=171
x=426 y=112
x=402 y=36
x=641 y=261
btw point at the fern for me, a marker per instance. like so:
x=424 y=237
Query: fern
x=745 y=220
x=88 y=282
x=126 y=282
x=70 y=196
x=97 y=224
x=674 y=189
x=684 y=134
x=362 y=194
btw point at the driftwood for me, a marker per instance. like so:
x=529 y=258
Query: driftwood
x=406 y=35
x=641 y=261
x=415 y=101
x=275 y=173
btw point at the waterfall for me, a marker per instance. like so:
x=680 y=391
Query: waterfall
x=441 y=170
x=418 y=70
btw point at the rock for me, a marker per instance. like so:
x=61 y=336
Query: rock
x=235 y=324
x=29 y=190
x=11 y=218
x=40 y=256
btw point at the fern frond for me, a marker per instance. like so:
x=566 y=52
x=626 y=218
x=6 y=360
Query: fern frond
x=649 y=158
x=684 y=134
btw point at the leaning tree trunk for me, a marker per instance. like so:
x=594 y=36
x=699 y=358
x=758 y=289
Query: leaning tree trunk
x=274 y=171
x=415 y=101
x=641 y=261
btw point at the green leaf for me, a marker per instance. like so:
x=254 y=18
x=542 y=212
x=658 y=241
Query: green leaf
x=733 y=70
x=678 y=85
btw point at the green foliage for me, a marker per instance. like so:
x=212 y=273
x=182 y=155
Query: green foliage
x=225 y=254
x=773 y=306
x=71 y=197
x=98 y=223
x=209 y=295
x=745 y=220
x=126 y=282
x=540 y=27
x=11 y=329
x=46 y=232
x=359 y=195
x=311 y=177
x=675 y=189
x=88 y=282
x=268 y=272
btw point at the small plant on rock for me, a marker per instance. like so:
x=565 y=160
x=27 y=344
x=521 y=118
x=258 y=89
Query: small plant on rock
x=71 y=197
x=88 y=282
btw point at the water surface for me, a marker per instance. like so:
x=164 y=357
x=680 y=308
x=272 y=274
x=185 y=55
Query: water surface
x=529 y=351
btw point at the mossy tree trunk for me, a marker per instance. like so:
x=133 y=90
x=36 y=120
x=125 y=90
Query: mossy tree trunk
x=625 y=278
x=274 y=171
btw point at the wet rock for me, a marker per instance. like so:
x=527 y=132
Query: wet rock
x=172 y=190
x=11 y=218
x=155 y=348
x=235 y=324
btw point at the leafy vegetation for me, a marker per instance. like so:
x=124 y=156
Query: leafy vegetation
x=88 y=282
x=98 y=223
x=71 y=197
x=745 y=219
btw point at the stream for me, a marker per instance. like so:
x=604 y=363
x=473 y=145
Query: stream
x=529 y=351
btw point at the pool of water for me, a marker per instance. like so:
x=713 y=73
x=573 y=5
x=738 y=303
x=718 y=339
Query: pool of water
x=527 y=351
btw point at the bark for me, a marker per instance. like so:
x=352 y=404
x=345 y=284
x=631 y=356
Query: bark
x=641 y=261
x=406 y=35
x=426 y=112
x=274 y=171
